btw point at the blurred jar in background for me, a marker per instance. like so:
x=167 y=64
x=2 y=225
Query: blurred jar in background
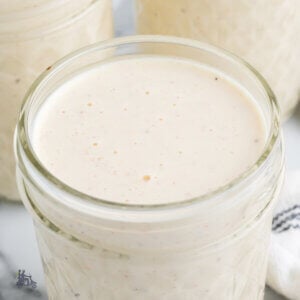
x=265 y=33
x=33 y=35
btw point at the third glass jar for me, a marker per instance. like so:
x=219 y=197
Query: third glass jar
x=265 y=33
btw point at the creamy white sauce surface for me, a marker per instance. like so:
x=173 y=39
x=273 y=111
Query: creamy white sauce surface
x=148 y=130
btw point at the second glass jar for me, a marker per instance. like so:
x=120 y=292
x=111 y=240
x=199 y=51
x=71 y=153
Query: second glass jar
x=33 y=35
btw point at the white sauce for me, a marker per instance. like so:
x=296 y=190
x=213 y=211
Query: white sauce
x=148 y=130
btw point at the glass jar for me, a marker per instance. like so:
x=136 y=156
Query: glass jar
x=211 y=247
x=33 y=35
x=264 y=33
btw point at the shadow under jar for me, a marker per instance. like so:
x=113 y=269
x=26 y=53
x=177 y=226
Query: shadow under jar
x=265 y=33
x=214 y=246
x=33 y=35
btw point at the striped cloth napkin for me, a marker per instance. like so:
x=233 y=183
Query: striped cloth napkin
x=284 y=261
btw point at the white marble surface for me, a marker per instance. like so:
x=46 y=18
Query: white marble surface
x=18 y=248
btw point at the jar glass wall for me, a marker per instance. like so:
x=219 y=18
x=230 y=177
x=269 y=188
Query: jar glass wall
x=33 y=35
x=211 y=247
x=264 y=33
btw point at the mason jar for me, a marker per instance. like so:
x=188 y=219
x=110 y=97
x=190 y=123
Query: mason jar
x=264 y=33
x=33 y=35
x=210 y=247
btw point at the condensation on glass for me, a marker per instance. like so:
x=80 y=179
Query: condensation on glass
x=33 y=35
x=213 y=247
x=265 y=33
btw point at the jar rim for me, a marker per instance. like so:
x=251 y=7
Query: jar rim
x=22 y=140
